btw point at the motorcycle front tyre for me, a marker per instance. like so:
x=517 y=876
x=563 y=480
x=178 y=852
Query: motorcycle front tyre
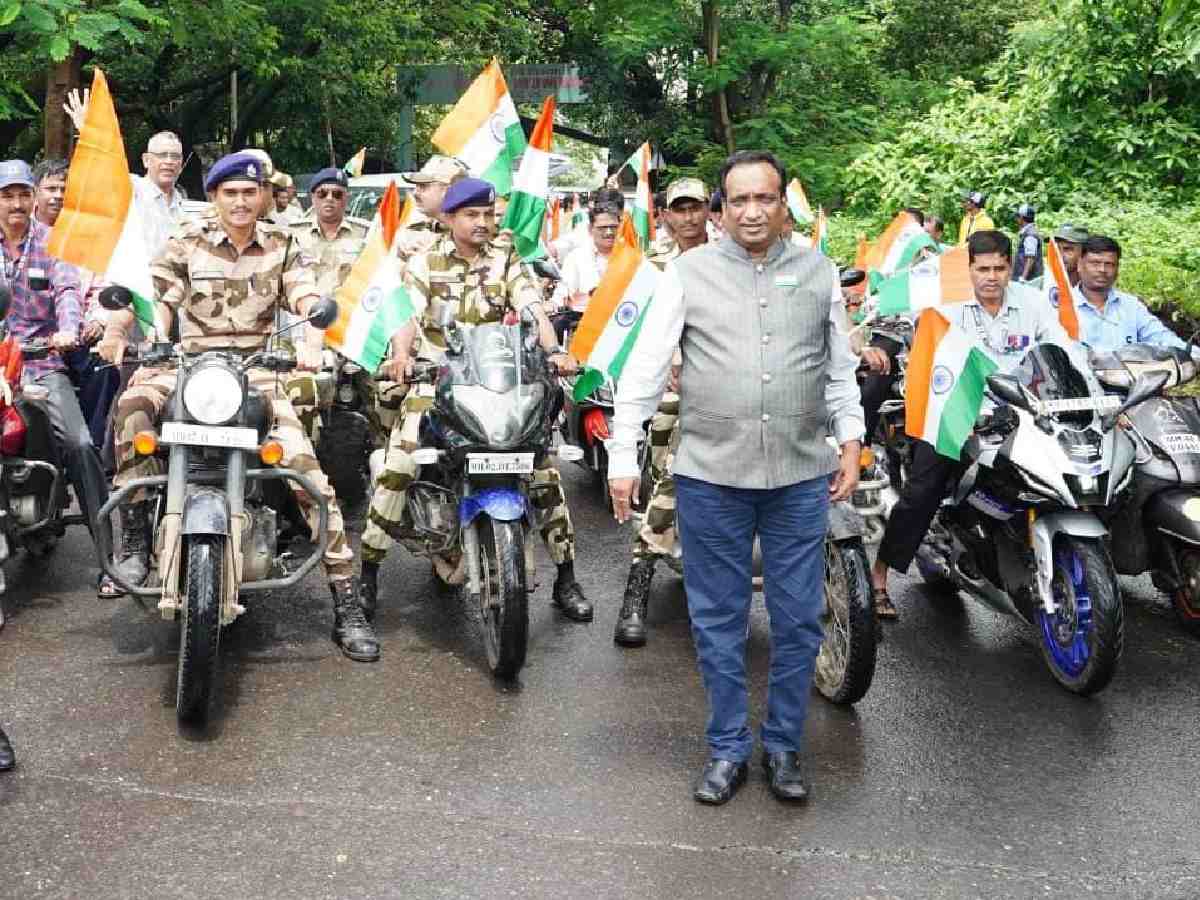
x=1105 y=639
x=845 y=663
x=503 y=595
x=200 y=628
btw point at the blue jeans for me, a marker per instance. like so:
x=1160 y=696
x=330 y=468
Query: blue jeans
x=717 y=526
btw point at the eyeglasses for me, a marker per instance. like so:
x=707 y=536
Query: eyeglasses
x=608 y=229
x=324 y=195
x=169 y=155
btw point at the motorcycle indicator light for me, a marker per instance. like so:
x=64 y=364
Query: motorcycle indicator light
x=145 y=443
x=12 y=432
x=866 y=459
x=271 y=453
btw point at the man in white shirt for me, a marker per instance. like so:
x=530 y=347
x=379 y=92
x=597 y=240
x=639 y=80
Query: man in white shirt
x=585 y=266
x=159 y=201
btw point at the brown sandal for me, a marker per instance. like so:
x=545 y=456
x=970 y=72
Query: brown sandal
x=883 y=604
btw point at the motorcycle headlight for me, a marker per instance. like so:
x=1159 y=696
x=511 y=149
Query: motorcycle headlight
x=212 y=394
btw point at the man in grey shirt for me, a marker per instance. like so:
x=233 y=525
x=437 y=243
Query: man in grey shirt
x=767 y=377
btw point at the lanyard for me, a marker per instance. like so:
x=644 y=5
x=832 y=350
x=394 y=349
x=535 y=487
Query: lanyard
x=982 y=333
x=13 y=267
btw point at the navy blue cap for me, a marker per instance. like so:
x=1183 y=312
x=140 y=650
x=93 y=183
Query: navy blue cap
x=327 y=175
x=468 y=192
x=234 y=167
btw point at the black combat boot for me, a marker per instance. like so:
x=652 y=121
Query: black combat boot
x=631 y=624
x=134 y=563
x=569 y=596
x=351 y=630
x=370 y=589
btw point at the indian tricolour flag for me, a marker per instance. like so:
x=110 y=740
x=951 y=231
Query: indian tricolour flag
x=354 y=165
x=944 y=384
x=372 y=303
x=938 y=281
x=484 y=131
x=886 y=252
x=526 y=214
x=643 y=203
x=610 y=326
x=1064 y=299
x=797 y=202
x=100 y=226
x=820 y=237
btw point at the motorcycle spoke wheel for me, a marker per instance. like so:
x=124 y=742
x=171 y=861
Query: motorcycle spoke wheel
x=845 y=664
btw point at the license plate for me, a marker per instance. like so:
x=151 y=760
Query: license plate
x=499 y=463
x=1181 y=444
x=209 y=435
x=1107 y=403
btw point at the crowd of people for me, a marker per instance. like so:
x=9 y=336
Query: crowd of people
x=749 y=369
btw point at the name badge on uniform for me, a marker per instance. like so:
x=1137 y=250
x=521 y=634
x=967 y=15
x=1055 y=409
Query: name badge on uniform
x=786 y=281
x=1017 y=342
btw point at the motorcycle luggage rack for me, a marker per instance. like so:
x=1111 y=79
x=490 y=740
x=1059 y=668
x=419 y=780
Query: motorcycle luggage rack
x=104 y=535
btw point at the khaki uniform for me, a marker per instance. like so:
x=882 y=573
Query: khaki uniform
x=418 y=237
x=657 y=535
x=481 y=292
x=332 y=260
x=224 y=300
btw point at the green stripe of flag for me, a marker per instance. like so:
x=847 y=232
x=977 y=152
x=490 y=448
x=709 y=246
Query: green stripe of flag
x=499 y=173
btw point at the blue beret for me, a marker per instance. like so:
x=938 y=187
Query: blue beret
x=326 y=175
x=234 y=167
x=468 y=192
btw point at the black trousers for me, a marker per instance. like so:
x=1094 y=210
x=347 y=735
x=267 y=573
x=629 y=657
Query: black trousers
x=931 y=478
x=876 y=388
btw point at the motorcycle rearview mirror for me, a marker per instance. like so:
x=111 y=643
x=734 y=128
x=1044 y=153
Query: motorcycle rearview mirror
x=115 y=297
x=1144 y=387
x=546 y=268
x=850 y=277
x=323 y=313
x=1008 y=389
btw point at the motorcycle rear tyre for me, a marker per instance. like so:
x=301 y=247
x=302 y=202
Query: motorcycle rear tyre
x=504 y=596
x=1186 y=599
x=1106 y=639
x=843 y=674
x=200 y=628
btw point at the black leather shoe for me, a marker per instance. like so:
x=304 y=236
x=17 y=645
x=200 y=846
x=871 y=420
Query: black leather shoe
x=569 y=597
x=7 y=758
x=351 y=630
x=785 y=777
x=719 y=781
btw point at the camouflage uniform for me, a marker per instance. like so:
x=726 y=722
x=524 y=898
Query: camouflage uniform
x=482 y=292
x=332 y=261
x=224 y=300
x=656 y=537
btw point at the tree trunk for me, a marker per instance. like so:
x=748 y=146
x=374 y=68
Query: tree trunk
x=60 y=79
x=712 y=30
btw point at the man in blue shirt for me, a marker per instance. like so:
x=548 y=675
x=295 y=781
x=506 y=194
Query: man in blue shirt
x=1109 y=318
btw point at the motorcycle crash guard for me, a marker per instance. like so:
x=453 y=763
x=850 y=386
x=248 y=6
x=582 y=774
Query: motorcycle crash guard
x=845 y=522
x=1177 y=513
x=205 y=511
x=501 y=504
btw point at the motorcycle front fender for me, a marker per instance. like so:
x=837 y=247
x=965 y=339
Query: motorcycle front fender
x=205 y=511
x=1175 y=513
x=1045 y=529
x=503 y=504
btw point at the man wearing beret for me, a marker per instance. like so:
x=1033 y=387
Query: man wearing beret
x=481 y=282
x=429 y=190
x=223 y=278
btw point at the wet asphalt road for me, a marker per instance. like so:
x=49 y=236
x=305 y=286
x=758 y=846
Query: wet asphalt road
x=965 y=772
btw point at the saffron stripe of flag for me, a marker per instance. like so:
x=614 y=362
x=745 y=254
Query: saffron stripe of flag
x=938 y=281
x=483 y=129
x=1068 y=316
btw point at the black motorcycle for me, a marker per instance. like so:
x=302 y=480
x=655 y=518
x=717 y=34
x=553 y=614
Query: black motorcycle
x=215 y=519
x=1155 y=525
x=496 y=398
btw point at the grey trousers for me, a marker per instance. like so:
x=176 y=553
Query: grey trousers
x=75 y=448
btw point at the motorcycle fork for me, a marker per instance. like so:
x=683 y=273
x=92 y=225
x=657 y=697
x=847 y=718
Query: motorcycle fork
x=470 y=544
x=170 y=544
x=235 y=496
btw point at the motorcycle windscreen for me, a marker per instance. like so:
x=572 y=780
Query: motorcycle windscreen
x=1049 y=374
x=495 y=353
